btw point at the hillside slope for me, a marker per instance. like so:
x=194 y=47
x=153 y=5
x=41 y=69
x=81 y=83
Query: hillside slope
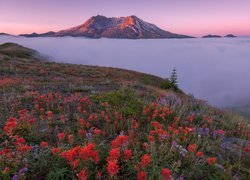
x=64 y=121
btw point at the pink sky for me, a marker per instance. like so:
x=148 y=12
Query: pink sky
x=191 y=17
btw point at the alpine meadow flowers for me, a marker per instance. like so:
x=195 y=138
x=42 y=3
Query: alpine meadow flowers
x=83 y=138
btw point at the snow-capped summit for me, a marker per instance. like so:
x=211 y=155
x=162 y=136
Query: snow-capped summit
x=130 y=27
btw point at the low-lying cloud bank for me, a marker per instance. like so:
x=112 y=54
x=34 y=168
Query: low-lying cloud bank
x=217 y=70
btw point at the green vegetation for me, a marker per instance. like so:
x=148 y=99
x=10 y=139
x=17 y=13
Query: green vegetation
x=172 y=83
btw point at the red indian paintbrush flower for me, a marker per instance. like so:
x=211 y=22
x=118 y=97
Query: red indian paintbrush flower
x=192 y=147
x=83 y=175
x=211 y=160
x=145 y=160
x=50 y=114
x=199 y=154
x=114 y=154
x=166 y=173
x=112 y=167
x=10 y=126
x=119 y=141
x=142 y=175
x=89 y=153
x=61 y=136
x=55 y=150
x=43 y=144
x=128 y=154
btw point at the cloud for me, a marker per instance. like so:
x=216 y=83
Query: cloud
x=216 y=70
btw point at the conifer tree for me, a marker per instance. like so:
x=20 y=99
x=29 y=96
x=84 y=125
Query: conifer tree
x=173 y=79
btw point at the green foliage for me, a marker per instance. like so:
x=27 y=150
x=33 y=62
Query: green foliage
x=59 y=174
x=166 y=84
x=126 y=102
x=172 y=82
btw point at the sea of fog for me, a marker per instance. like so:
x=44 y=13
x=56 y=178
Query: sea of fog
x=217 y=70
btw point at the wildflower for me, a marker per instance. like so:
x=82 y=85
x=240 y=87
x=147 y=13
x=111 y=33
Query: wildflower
x=199 y=154
x=141 y=176
x=99 y=175
x=55 y=150
x=83 y=175
x=211 y=160
x=43 y=144
x=166 y=173
x=15 y=177
x=187 y=130
x=97 y=131
x=61 y=136
x=6 y=170
x=114 y=153
x=112 y=167
x=150 y=138
x=119 y=141
x=128 y=154
x=145 y=160
x=71 y=138
x=10 y=126
x=221 y=133
x=32 y=121
x=174 y=144
x=192 y=147
x=71 y=154
x=49 y=114
x=206 y=132
x=19 y=140
x=89 y=136
x=62 y=118
x=89 y=152
x=75 y=163
x=180 y=178
x=246 y=148
x=200 y=131
x=23 y=170
x=24 y=148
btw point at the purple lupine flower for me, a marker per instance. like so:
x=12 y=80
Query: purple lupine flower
x=174 y=144
x=222 y=136
x=215 y=134
x=200 y=131
x=180 y=178
x=223 y=145
x=15 y=177
x=22 y=171
x=206 y=132
x=89 y=136
x=164 y=136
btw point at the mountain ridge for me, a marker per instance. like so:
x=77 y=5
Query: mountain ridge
x=129 y=27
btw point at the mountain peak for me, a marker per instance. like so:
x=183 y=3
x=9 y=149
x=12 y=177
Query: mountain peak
x=129 y=27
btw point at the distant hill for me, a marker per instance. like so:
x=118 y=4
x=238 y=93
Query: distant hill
x=4 y=34
x=15 y=50
x=211 y=36
x=230 y=36
x=47 y=34
x=130 y=27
